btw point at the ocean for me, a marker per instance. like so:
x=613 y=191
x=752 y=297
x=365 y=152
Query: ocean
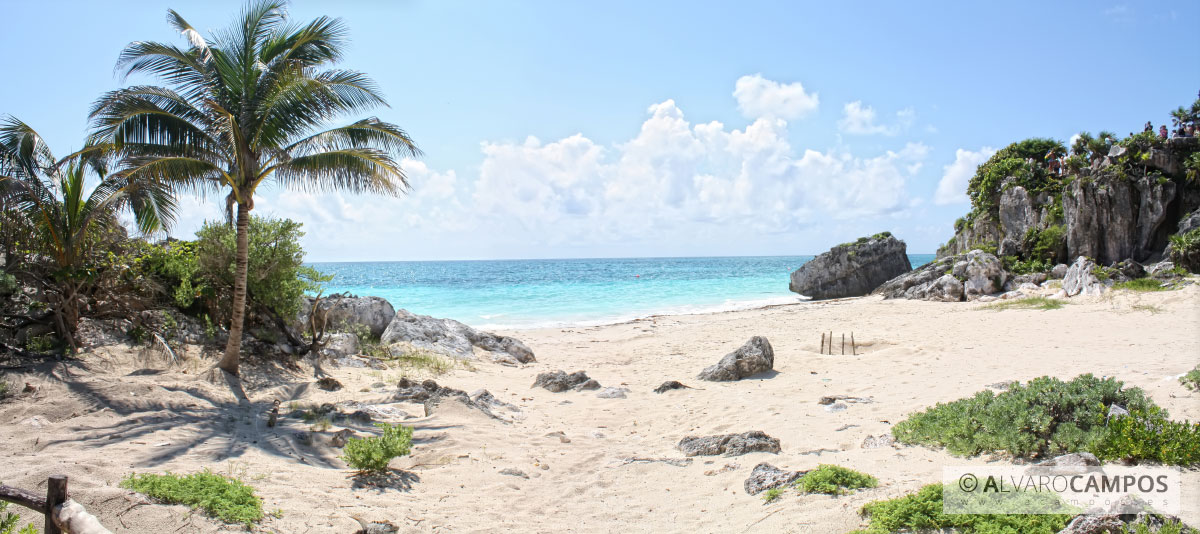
x=515 y=294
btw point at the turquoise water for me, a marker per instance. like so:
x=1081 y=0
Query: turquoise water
x=537 y=293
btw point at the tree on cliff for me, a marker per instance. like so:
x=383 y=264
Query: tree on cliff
x=246 y=106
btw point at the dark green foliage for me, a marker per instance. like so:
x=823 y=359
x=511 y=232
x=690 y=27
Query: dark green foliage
x=8 y=284
x=176 y=264
x=922 y=511
x=372 y=455
x=1042 y=418
x=1185 y=250
x=1191 y=166
x=224 y=498
x=1137 y=147
x=1170 y=526
x=1147 y=434
x=834 y=480
x=864 y=240
x=8 y=522
x=1012 y=160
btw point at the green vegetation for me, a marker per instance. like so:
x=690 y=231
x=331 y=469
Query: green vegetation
x=1191 y=380
x=864 y=240
x=834 y=480
x=243 y=107
x=8 y=520
x=372 y=455
x=771 y=495
x=1185 y=250
x=6 y=389
x=224 y=498
x=1146 y=433
x=1142 y=284
x=1170 y=526
x=1030 y=303
x=1047 y=417
x=922 y=512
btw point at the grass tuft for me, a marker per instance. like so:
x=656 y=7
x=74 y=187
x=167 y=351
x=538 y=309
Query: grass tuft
x=834 y=480
x=1143 y=284
x=1030 y=303
x=771 y=495
x=922 y=512
x=224 y=498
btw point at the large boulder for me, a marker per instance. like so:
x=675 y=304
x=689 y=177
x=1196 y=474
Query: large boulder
x=342 y=313
x=754 y=357
x=340 y=345
x=1111 y=217
x=1081 y=279
x=451 y=338
x=729 y=444
x=981 y=274
x=852 y=269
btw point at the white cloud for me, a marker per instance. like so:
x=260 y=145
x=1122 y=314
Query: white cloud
x=952 y=188
x=860 y=119
x=759 y=97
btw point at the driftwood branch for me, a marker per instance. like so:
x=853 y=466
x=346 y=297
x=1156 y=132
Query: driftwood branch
x=23 y=498
x=65 y=515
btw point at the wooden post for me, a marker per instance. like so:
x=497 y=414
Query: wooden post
x=831 y=342
x=843 y=343
x=822 y=351
x=853 y=348
x=56 y=494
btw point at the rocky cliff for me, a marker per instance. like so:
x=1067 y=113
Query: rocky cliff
x=852 y=269
x=1118 y=204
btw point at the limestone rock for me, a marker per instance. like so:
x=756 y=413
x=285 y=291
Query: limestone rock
x=766 y=476
x=754 y=357
x=340 y=345
x=329 y=383
x=852 y=269
x=1075 y=459
x=1080 y=279
x=982 y=274
x=1111 y=217
x=612 y=393
x=669 y=385
x=729 y=444
x=1059 y=271
x=451 y=338
x=339 y=313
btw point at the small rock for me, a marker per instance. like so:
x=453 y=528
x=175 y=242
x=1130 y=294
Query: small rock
x=562 y=437
x=878 y=442
x=339 y=438
x=729 y=444
x=376 y=527
x=836 y=407
x=612 y=393
x=754 y=357
x=766 y=476
x=361 y=416
x=559 y=381
x=1076 y=459
x=724 y=469
x=513 y=472
x=669 y=385
x=329 y=383
x=1115 y=411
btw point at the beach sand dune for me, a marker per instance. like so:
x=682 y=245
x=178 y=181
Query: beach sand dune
x=572 y=461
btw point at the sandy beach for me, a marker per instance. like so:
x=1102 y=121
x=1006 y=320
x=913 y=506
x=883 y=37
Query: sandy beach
x=113 y=412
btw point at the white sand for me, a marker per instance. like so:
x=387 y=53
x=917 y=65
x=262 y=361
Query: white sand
x=99 y=423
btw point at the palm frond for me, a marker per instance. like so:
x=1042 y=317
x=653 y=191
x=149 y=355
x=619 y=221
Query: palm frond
x=356 y=170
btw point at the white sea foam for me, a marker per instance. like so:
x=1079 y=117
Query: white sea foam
x=726 y=306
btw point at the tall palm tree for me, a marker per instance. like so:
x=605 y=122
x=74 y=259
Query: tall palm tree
x=52 y=197
x=248 y=105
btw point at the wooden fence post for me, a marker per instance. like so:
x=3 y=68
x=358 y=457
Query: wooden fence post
x=56 y=494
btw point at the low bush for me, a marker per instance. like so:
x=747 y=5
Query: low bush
x=9 y=520
x=1043 y=417
x=771 y=495
x=224 y=498
x=1191 y=380
x=922 y=512
x=1032 y=303
x=372 y=455
x=1047 y=417
x=834 y=480
x=1148 y=434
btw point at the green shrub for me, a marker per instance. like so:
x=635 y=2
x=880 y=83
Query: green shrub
x=1103 y=273
x=1169 y=526
x=922 y=511
x=772 y=494
x=834 y=480
x=984 y=186
x=8 y=284
x=1191 y=380
x=41 y=344
x=1185 y=250
x=224 y=498
x=8 y=522
x=1043 y=417
x=1142 y=284
x=1146 y=433
x=372 y=455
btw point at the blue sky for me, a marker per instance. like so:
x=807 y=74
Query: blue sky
x=573 y=129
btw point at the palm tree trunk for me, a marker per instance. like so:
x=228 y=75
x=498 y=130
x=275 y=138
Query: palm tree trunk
x=233 y=349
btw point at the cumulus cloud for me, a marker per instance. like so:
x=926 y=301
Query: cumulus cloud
x=859 y=119
x=759 y=97
x=952 y=188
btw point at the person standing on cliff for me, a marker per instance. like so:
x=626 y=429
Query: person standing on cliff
x=1162 y=131
x=1149 y=127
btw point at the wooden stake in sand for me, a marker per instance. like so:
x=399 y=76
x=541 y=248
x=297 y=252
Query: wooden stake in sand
x=853 y=349
x=822 y=351
x=843 y=343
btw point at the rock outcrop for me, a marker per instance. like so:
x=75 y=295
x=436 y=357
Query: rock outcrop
x=766 y=476
x=1114 y=219
x=950 y=279
x=729 y=444
x=340 y=345
x=756 y=356
x=452 y=338
x=852 y=269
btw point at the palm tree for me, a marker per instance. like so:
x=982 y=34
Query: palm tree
x=52 y=198
x=246 y=106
